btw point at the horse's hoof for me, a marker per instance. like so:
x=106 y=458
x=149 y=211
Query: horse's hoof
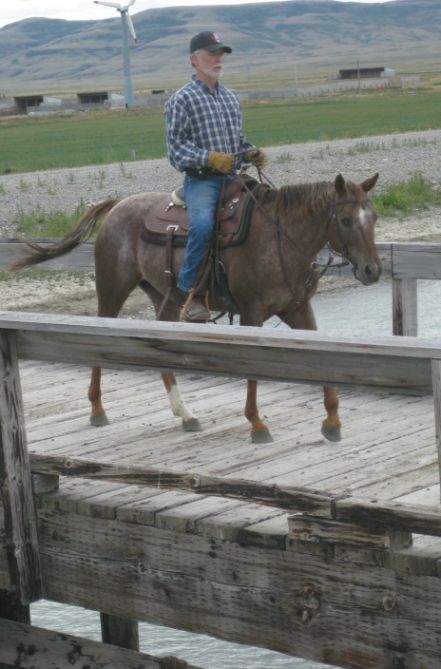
x=99 y=420
x=331 y=433
x=261 y=437
x=192 y=425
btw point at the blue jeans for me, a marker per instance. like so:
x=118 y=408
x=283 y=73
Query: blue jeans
x=201 y=196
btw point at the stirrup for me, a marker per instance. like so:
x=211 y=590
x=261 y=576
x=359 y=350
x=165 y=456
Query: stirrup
x=188 y=301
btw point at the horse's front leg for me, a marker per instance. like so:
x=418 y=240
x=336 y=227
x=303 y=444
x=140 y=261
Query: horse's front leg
x=303 y=318
x=260 y=433
x=98 y=416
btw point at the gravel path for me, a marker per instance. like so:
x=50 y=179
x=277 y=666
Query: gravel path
x=396 y=157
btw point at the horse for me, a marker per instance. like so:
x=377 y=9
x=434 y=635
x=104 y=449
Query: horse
x=273 y=272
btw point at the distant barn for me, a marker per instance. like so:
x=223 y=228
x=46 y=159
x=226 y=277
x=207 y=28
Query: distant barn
x=366 y=73
x=26 y=103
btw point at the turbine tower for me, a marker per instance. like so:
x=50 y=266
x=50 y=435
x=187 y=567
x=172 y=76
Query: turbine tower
x=125 y=21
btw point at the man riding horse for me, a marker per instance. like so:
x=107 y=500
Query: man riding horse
x=204 y=139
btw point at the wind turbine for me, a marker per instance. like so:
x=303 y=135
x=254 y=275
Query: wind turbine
x=125 y=21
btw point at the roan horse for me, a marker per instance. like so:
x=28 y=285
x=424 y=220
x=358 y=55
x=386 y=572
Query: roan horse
x=272 y=273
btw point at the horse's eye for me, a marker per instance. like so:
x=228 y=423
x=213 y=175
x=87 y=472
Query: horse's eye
x=347 y=222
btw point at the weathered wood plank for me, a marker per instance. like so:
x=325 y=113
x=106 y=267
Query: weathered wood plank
x=389 y=515
x=404 y=307
x=290 y=499
x=118 y=631
x=436 y=380
x=297 y=604
x=305 y=357
x=81 y=259
x=20 y=529
x=36 y=648
x=416 y=260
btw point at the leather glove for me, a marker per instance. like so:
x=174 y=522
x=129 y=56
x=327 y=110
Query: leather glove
x=224 y=162
x=257 y=158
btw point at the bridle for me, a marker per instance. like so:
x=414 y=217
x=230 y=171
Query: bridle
x=314 y=265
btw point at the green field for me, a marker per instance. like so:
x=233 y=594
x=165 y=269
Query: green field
x=37 y=143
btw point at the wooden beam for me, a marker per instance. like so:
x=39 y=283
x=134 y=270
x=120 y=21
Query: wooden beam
x=20 y=536
x=32 y=647
x=118 y=631
x=404 y=307
x=436 y=377
x=301 y=356
x=290 y=499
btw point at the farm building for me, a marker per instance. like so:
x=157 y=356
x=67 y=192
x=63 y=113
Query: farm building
x=100 y=98
x=25 y=102
x=366 y=73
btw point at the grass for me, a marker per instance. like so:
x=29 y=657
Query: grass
x=39 y=223
x=39 y=143
x=407 y=197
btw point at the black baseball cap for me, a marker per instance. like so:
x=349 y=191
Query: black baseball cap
x=208 y=41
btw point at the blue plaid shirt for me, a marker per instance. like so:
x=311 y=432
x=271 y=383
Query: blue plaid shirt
x=198 y=121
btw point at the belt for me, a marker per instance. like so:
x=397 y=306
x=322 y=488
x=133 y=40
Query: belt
x=203 y=172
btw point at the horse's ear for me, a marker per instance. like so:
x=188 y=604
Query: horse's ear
x=370 y=183
x=340 y=184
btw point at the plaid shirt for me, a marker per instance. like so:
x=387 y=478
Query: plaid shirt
x=198 y=121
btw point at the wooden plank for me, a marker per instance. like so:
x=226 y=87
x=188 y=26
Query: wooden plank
x=304 y=357
x=290 y=499
x=81 y=259
x=33 y=647
x=436 y=380
x=119 y=631
x=416 y=260
x=305 y=528
x=20 y=529
x=404 y=307
x=296 y=604
x=389 y=515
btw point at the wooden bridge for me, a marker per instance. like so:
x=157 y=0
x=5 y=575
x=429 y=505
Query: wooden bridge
x=330 y=552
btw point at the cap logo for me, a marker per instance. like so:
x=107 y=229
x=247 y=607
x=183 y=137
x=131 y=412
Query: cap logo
x=215 y=38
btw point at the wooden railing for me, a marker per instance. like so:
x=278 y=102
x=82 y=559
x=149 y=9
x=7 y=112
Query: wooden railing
x=405 y=263
x=400 y=364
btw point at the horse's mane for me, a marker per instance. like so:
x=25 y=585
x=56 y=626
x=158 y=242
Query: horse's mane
x=307 y=197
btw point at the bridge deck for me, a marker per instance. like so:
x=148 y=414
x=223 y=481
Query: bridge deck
x=388 y=449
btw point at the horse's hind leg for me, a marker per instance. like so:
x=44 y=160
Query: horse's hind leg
x=111 y=298
x=171 y=313
x=303 y=318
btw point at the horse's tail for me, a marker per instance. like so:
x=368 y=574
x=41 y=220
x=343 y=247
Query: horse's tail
x=82 y=231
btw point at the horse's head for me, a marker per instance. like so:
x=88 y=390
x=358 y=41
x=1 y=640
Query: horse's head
x=351 y=224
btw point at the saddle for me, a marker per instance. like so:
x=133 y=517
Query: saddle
x=231 y=221
x=167 y=225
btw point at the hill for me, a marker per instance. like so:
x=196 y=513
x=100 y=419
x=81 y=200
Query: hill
x=270 y=41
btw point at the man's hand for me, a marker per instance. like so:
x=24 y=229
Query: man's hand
x=224 y=162
x=257 y=158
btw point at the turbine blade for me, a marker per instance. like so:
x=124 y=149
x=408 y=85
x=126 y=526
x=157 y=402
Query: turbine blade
x=132 y=2
x=131 y=28
x=108 y=4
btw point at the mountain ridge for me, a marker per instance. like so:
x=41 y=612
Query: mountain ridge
x=314 y=37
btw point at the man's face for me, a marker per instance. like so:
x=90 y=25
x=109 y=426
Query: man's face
x=209 y=63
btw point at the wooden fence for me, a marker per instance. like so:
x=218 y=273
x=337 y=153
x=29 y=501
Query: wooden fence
x=405 y=263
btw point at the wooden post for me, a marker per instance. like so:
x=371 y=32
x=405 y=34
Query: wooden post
x=436 y=381
x=20 y=527
x=118 y=631
x=405 y=310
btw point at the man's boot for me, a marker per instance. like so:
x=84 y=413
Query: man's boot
x=195 y=308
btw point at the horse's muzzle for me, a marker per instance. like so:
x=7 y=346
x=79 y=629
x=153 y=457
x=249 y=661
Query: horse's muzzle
x=368 y=273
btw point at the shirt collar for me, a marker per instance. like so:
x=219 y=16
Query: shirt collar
x=205 y=86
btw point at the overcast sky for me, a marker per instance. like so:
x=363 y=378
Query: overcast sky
x=16 y=10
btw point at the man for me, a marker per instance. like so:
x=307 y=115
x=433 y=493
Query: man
x=204 y=137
